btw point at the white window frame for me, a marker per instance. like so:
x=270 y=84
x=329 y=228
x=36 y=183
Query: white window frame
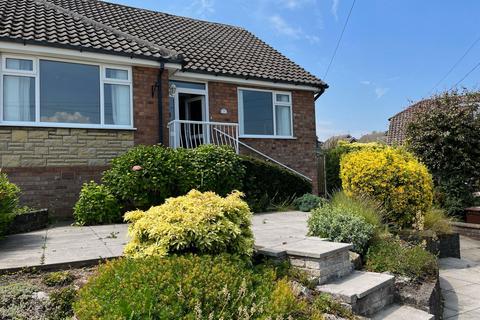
x=274 y=104
x=36 y=74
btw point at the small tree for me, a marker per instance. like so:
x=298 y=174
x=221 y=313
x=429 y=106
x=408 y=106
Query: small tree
x=446 y=137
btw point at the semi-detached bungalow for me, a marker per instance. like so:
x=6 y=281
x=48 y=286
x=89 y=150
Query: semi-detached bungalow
x=82 y=81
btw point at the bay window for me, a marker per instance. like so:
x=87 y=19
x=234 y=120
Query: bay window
x=47 y=92
x=264 y=113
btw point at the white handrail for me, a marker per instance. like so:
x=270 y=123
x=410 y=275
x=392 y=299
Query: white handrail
x=273 y=160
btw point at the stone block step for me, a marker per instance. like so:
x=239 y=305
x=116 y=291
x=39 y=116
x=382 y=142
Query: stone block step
x=365 y=292
x=323 y=260
x=398 y=312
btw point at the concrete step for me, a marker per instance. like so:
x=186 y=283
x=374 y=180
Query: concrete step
x=324 y=260
x=398 y=312
x=365 y=292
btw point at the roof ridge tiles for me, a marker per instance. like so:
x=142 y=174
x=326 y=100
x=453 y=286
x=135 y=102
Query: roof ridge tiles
x=164 y=52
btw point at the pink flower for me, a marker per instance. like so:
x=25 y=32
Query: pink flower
x=136 y=168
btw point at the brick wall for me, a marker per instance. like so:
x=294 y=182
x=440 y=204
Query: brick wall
x=53 y=147
x=298 y=153
x=55 y=188
x=146 y=106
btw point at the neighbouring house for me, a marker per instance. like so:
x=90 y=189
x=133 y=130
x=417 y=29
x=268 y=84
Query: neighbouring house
x=397 y=130
x=85 y=80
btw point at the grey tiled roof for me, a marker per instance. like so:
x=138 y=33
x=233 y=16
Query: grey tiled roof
x=205 y=47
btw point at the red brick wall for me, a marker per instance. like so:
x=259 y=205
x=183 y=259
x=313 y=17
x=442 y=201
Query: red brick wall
x=298 y=153
x=145 y=111
x=55 y=188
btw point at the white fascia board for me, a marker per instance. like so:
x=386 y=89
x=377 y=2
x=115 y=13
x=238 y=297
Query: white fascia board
x=192 y=76
x=53 y=52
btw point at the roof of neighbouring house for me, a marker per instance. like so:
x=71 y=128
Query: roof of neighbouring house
x=203 y=47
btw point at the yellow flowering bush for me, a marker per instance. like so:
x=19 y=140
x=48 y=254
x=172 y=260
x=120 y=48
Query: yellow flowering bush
x=391 y=176
x=197 y=222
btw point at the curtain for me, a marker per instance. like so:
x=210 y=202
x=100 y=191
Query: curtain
x=282 y=115
x=18 y=98
x=121 y=104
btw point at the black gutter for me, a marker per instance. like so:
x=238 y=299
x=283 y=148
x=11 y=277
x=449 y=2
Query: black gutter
x=160 y=102
x=322 y=90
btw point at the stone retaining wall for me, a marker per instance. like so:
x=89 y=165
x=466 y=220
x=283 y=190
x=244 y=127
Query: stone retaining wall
x=471 y=230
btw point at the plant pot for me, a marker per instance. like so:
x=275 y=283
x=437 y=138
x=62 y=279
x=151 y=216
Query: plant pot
x=473 y=215
x=30 y=221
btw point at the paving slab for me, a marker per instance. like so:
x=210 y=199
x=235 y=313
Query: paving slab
x=398 y=312
x=63 y=243
x=460 y=282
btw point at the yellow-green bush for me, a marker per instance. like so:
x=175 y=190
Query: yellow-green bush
x=391 y=176
x=197 y=222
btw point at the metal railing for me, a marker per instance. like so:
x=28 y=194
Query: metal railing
x=191 y=134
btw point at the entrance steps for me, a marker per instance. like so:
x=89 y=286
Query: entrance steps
x=367 y=294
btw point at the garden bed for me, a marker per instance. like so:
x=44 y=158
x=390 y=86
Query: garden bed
x=425 y=295
x=445 y=245
x=29 y=221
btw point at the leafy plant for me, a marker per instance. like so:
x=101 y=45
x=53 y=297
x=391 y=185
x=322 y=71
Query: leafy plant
x=361 y=206
x=9 y=195
x=58 y=278
x=394 y=178
x=177 y=287
x=337 y=225
x=96 y=205
x=197 y=222
x=333 y=156
x=446 y=138
x=60 y=303
x=437 y=221
x=267 y=184
x=307 y=202
x=407 y=260
x=16 y=301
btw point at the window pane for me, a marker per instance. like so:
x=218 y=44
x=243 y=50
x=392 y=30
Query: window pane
x=18 y=98
x=69 y=92
x=116 y=74
x=283 y=98
x=257 y=112
x=188 y=85
x=117 y=104
x=19 y=64
x=282 y=115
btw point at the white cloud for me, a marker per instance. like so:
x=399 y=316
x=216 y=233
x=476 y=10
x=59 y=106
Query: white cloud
x=312 y=38
x=366 y=82
x=293 y=4
x=202 y=8
x=380 y=92
x=335 y=4
x=281 y=26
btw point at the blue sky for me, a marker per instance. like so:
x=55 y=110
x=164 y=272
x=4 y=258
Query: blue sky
x=393 y=51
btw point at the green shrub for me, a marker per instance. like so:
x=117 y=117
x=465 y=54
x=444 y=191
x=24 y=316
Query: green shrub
x=197 y=222
x=335 y=154
x=437 y=221
x=9 y=194
x=177 y=287
x=307 y=202
x=60 y=303
x=217 y=169
x=16 y=301
x=147 y=175
x=58 y=278
x=446 y=139
x=266 y=184
x=368 y=209
x=394 y=178
x=393 y=256
x=337 y=225
x=96 y=205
